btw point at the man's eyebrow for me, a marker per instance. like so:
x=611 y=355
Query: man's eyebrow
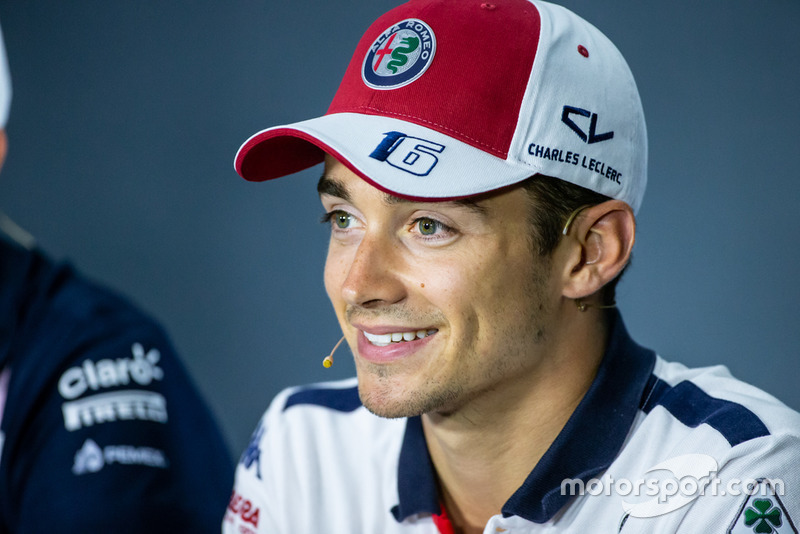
x=470 y=203
x=334 y=188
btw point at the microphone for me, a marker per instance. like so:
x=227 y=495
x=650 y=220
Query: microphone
x=328 y=361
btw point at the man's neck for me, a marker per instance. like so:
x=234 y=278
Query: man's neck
x=483 y=452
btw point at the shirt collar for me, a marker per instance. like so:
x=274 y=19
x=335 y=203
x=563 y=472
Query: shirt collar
x=586 y=446
x=416 y=482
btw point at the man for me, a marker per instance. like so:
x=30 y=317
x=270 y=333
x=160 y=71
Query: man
x=101 y=428
x=484 y=162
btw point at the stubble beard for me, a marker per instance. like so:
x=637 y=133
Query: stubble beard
x=388 y=396
x=383 y=399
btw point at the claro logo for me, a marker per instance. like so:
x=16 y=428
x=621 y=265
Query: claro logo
x=140 y=369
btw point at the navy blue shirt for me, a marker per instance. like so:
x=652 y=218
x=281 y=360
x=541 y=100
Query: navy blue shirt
x=103 y=430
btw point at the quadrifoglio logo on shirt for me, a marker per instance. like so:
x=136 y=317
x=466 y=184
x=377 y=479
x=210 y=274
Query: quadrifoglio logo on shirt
x=141 y=369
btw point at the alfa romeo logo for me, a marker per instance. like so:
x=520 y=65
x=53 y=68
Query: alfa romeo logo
x=400 y=55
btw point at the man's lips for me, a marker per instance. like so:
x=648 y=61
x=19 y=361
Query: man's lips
x=386 y=343
x=397 y=336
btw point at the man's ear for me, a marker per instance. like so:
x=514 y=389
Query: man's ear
x=598 y=245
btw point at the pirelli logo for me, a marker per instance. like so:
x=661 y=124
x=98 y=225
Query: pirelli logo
x=126 y=405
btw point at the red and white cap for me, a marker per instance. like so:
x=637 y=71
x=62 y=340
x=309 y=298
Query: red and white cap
x=446 y=99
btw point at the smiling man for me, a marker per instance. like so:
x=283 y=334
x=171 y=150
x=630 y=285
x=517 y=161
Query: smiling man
x=483 y=164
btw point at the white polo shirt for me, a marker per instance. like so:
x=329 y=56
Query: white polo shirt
x=652 y=447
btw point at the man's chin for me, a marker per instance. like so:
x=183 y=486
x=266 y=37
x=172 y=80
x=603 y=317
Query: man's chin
x=390 y=403
x=386 y=408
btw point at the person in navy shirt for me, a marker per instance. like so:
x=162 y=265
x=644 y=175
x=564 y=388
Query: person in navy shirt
x=101 y=427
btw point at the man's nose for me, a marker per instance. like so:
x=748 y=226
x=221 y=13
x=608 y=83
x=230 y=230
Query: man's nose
x=372 y=279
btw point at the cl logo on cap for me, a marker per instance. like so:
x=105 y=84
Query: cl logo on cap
x=593 y=136
x=399 y=56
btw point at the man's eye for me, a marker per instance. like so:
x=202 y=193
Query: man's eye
x=428 y=226
x=342 y=219
x=338 y=219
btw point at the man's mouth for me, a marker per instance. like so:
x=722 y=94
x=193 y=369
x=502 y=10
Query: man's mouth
x=383 y=340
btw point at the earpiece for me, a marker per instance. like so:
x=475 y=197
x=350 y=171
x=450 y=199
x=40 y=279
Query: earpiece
x=328 y=361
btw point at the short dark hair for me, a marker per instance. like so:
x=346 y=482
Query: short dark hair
x=553 y=201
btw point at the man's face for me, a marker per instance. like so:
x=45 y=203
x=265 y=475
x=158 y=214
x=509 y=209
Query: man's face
x=442 y=303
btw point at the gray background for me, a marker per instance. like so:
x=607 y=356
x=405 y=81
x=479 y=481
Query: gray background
x=126 y=117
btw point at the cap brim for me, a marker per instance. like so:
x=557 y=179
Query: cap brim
x=399 y=157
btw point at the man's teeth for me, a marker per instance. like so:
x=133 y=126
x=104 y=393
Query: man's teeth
x=381 y=340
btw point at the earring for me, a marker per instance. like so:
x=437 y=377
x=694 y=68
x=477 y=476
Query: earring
x=582 y=306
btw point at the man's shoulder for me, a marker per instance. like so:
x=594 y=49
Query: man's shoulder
x=706 y=418
x=701 y=421
x=50 y=302
x=712 y=396
x=701 y=445
x=327 y=407
x=704 y=446
x=340 y=396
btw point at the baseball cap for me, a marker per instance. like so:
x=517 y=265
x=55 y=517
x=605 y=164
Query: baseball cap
x=446 y=99
x=5 y=84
